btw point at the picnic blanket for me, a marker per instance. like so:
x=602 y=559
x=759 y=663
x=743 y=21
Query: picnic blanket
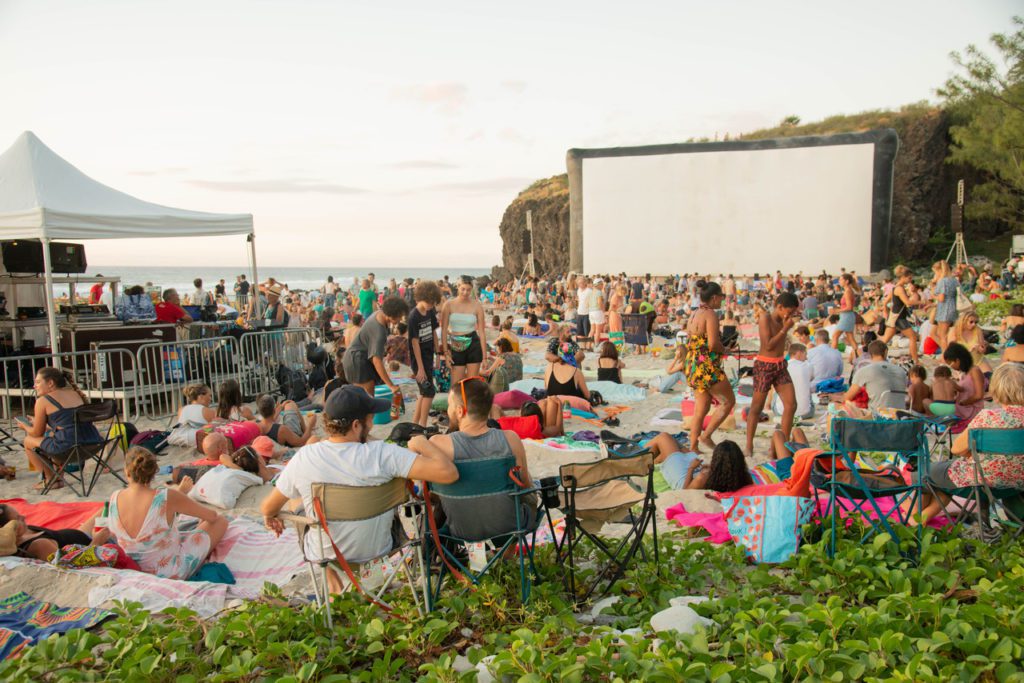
x=565 y=443
x=848 y=512
x=54 y=515
x=611 y=391
x=24 y=620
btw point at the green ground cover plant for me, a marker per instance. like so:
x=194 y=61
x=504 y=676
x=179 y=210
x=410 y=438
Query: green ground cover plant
x=867 y=615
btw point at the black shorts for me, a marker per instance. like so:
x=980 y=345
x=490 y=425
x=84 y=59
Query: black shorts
x=474 y=353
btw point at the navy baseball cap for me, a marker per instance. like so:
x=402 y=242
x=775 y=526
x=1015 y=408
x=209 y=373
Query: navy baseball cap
x=352 y=402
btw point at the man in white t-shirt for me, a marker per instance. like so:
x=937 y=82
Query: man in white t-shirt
x=347 y=458
x=583 y=296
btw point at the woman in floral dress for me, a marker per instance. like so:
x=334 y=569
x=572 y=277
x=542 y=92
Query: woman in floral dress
x=703 y=367
x=144 y=521
x=1000 y=471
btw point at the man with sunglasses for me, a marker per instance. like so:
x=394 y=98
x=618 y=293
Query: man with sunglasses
x=471 y=438
x=347 y=457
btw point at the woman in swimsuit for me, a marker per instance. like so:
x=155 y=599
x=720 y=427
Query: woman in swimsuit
x=703 y=367
x=52 y=427
x=847 y=316
x=563 y=377
x=462 y=333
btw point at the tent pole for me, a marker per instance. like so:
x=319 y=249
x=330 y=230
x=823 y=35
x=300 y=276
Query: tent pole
x=257 y=308
x=51 y=317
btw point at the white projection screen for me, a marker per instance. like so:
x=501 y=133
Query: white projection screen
x=791 y=204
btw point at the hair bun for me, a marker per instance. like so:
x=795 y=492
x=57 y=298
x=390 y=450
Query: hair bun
x=702 y=284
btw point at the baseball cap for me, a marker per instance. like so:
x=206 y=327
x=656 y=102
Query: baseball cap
x=352 y=402
x=264 y=447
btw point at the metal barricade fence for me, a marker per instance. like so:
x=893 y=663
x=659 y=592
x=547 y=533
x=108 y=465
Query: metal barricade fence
x=101 y=374
x=265 y=351
x=166 y=368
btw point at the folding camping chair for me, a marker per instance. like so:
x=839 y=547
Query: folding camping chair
x=71 y=463
x=1005 y=442
x=486 y=489
x=597 y=492
x=843 y=478
x=371 y=577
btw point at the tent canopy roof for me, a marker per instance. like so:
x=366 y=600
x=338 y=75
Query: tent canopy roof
x=43 y=196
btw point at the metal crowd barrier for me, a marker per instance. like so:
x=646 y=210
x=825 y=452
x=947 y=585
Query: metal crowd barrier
x=101 y=374
x=166 y=368
x=265 y=351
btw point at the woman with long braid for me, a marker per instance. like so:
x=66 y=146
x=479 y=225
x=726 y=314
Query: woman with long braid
x=52 y=427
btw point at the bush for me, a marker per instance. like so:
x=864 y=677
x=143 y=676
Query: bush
x=866 y=615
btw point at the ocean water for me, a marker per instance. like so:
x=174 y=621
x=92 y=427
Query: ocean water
x=180 y=277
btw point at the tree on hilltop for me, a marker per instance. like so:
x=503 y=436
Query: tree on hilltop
x=988 y=96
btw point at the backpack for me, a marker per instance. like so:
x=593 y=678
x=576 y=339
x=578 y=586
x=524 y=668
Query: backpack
x=152 y=440
x=292 y=383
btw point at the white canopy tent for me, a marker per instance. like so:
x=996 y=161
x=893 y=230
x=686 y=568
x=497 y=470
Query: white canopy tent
x=44 y=197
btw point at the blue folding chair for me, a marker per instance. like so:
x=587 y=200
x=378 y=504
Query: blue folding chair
x=906 y=442
x=990 y=442
x=486 y=488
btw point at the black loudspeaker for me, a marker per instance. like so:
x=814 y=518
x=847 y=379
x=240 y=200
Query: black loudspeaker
x=26 y=256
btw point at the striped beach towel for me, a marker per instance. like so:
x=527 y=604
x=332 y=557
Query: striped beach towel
x=24 y=620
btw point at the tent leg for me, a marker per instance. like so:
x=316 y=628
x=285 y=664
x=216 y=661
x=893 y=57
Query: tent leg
x=51 y=317
x=254 y=288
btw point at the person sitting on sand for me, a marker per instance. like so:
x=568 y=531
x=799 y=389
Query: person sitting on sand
x=609 y=366
x=532 y=327
x=563 y=335
x=198 y=411
x=1015 y=353
x=506 y=367
x=674 y=373
x=40 y=543
x=941 y=400
x=919 y=392
x=283 y=421
x=229 y=402
x=52 y=426
x=144 y=519
x=507 y=333
x=563 y=377
x=346 y=457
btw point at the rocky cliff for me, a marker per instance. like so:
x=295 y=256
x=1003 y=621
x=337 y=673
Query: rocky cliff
x=924 y=186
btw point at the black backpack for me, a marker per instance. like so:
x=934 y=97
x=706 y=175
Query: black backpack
x=292 y=383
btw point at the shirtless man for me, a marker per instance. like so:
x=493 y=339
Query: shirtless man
x=770 y=366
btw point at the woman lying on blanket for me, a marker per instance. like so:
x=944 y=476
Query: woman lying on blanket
x=39 y=542
x=727 y=471
x=144 y=520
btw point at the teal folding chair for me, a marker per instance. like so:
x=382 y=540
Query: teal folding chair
x=984 y=443
x=488 y=494
x=858 y=491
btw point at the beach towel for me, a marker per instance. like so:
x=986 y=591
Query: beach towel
x=565 y=443
x=713 y=522
x=769 y=527
x=255 y=556
x=156 y=594
x=54 y=515
x=611 y=391
x=848 y=512
x=25 y=620
x=667 y=417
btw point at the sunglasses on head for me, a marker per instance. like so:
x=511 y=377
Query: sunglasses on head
x=462 y=386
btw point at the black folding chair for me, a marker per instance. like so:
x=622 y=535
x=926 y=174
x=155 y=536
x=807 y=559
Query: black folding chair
x=71 y=463
x=594 y=493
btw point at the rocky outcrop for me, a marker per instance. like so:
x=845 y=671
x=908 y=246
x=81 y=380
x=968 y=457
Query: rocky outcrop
x=924 y=186
x=548 y=199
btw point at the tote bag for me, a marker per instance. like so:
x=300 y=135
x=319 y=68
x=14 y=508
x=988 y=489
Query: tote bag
x=767 y=526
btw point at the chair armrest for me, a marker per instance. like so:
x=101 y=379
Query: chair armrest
x=296 y=519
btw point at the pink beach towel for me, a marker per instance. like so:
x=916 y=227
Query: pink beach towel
x=713 y=522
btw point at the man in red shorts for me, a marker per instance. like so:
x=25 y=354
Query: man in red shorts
x=770 y=366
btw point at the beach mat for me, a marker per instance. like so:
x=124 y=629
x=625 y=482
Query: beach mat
x=53 y=515
x=25 y=620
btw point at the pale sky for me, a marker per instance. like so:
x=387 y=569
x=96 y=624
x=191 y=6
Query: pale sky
x=395 y=133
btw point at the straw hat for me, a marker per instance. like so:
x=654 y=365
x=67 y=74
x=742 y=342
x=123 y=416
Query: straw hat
x=274 y=290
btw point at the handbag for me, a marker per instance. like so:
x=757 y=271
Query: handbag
x=963 y=304
x=767 y=526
